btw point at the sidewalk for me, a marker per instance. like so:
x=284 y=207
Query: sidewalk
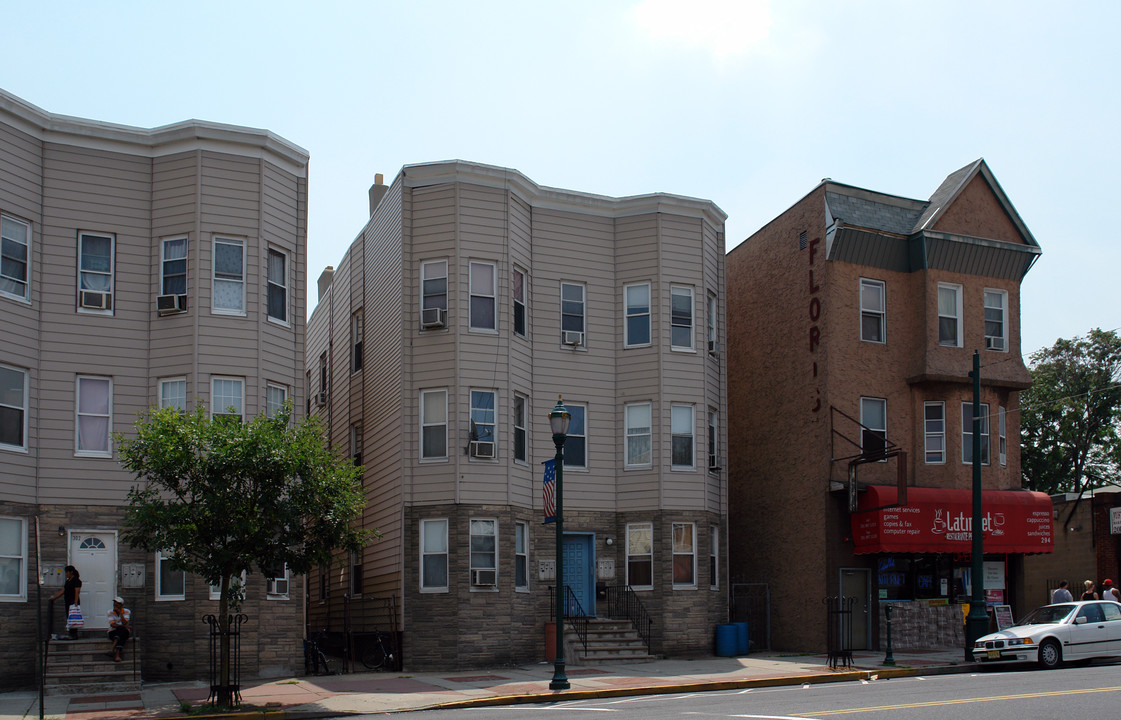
x=326 y=696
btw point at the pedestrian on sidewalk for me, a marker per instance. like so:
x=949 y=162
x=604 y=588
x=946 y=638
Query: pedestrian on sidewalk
x=1089 y=594
x=72 y=593
x=120 y=627
x=1061 y=594
x=1109 y=592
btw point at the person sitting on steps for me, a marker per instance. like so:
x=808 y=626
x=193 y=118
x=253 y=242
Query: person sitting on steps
x=120 y=627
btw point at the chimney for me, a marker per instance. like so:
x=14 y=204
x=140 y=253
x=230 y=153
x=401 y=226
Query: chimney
x=377 y=191
x=325 y=279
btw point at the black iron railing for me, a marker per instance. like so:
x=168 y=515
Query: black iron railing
x=622 y=603
x=574 y=614
x=224 y=695
x=839 y=613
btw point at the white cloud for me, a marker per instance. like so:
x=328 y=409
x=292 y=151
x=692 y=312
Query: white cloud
x=725 y=29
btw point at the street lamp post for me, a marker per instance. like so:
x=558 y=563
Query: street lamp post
x=558 y=422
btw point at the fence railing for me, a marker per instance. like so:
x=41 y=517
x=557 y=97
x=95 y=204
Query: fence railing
x=839 y=619
x=622 y=603
x=574 y=614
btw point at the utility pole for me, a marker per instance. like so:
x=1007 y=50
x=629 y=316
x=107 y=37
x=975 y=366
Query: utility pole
x=977 y=623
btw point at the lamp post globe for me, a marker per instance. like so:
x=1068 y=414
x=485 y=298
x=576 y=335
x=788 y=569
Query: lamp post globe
x=559 y=419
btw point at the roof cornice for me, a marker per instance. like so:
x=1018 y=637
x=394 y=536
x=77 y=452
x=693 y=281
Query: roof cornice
x=154 y=142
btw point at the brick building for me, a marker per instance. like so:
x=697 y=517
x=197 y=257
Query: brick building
x=852 y=322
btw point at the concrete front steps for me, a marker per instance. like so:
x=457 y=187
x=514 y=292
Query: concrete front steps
x=82 y=666
x=608 y=641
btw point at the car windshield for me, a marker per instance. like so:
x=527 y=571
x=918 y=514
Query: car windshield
x=1047 y=614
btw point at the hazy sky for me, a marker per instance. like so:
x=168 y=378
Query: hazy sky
x=748 y=103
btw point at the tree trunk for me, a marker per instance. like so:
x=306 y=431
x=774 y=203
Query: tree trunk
x=226 y=694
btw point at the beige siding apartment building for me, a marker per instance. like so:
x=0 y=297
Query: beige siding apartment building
x=471 y=300
x=139 y=268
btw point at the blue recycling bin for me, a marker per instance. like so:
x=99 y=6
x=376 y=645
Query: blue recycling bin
x=727 y=640
x=743 y=638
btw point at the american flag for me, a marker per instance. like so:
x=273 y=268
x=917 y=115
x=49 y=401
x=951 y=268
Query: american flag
x=549 y=489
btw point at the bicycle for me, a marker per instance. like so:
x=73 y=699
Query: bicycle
x=314 y=656
x=376 y=651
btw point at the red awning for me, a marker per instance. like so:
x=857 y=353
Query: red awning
x=937 y=520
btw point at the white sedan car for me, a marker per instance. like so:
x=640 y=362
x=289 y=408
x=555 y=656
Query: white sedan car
x=1054 y=633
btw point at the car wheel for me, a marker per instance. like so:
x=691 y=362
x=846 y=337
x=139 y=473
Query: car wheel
x=1050 y=654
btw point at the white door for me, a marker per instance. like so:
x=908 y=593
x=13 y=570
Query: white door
x=94 y=554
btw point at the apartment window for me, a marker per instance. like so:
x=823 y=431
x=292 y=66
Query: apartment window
x=681 y=318
x=521 y=556
x=576 y=444
x=482 y=416
x=934 y=432
x=637 y=419
x=713 y=458
x=483 y=297
x=356 y=580
x=967 y=433
x=275 y=397
x=873 y=418
x=15 y=258
x=520 y=437
x=484 y=553
x=434 y=285
x=433 y=424
x=433 y=555
x=684 y=554
x=519 y=303
x=277 y=272
x=94 y=416
x=13 y=408
x=228 y=293
x=1002 y=436
x=13 y=559
x=713 y=557
x=681 y=424
x=996 y=320
x=237 y=585
x=277 y=587
x=173 y=266
x=949 y=315
x=640 y=555
x=872 y=310
x=95 y=271
x=170 y=584
x=636 y=301
x=572 y=309
x=173 y=393
x=711 y=323
x=356 y=443
x=227 y=397
x=357 y=335
x=323 y=378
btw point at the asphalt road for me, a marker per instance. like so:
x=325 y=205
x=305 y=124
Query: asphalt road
x=1077 y=692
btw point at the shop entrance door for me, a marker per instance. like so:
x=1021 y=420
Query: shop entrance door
x=855 y=583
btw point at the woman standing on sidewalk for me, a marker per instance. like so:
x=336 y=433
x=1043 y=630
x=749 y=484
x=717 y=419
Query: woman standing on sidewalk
x=1089 y=594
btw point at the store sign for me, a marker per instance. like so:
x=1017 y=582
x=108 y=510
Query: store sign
x=1115 y=521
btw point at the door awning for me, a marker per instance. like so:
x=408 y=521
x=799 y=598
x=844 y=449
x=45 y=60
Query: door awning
x=938 y=520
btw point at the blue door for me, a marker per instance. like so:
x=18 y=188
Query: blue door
x=579 y=573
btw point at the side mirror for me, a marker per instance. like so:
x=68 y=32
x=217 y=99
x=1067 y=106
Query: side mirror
x=1081 y=620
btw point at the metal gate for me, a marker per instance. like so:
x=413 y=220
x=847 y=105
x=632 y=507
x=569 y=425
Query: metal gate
x=751 y=603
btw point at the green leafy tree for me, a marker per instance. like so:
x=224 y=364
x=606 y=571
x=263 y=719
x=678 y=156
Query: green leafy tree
x=1069 y=416
x=225 y=497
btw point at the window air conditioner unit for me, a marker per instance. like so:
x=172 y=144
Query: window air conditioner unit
x=713 y=463
x=95 y=300
x=994 y=343
x=277 y=586
x=171 y=304
x=432 y=318
x=320 y=399
x=713 y=347
x=573 y=338
x=484 y=578
x=482 y=449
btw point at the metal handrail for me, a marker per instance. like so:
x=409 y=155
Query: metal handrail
x=622 y=603
x=574 y=614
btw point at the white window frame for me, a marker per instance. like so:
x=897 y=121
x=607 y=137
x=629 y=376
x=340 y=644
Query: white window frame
x=713 y=440
x=161 y=596
x=22 y=408
x=632 y=529
x=714 y=557
x=282 y=284
x=568 y=309
x=957 y=316
x=478 y=414
x=481 y=292
x=165 y=400
x=165 y=261
x=521 y=429
x=1002 y=436
x=991 y=293
x=272 y=592
x=930 y=434
x=478 y=559
x=865 y=420
x=215 y=409
x=356 y=443
x=6 y=223
x=967 y=434
x=226 y=278
x=710 y=320
x=687 y=531
x=426 y=422
x=634 y=430
x=681 y=291
x=112 y=273
x=521 y=555
x=868 y=309
x=519 y=302
x=636 y=312
x=20 y=596
x=272 y=390
x=430 y=300
x=678 y=411
x=357 y=339
x=426 y=552
x=215 y=591
x=573 y=410
x=78 y=415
